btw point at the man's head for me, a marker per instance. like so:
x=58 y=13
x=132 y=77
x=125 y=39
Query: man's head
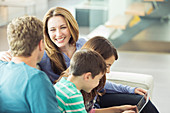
x=24 y=35
x=89 y=64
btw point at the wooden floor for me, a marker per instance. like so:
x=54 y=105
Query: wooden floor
x=139 y=61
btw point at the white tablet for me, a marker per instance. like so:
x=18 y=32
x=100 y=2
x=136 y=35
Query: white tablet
x=143 y=101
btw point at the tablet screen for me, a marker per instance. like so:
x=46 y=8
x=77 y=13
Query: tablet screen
x=143 y=101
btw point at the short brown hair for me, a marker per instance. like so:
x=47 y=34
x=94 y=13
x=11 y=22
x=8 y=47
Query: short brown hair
x=24 y=34
x=86 y=60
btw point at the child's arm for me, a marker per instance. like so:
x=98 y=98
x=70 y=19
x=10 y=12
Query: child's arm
x=112 y=87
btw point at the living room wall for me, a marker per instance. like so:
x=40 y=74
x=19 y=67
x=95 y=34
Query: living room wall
x=8 y=13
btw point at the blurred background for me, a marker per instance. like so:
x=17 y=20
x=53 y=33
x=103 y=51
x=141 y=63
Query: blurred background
x=139 y=29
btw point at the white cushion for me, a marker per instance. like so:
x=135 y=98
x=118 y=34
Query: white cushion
x=132 y=79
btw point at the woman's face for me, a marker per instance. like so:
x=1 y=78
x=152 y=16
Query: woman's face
x=58 y=31
x=109 y=62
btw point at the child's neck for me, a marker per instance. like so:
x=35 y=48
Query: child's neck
x=76 y=81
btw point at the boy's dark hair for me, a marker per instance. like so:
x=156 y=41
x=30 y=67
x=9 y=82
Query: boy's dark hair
x=86 y=60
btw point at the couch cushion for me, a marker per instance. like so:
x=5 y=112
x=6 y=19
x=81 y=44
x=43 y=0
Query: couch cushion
x=132 y=79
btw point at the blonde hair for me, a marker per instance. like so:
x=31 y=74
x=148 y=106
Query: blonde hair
x=53 y=52
x=24 y=34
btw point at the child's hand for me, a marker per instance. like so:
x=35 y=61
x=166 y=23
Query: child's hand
x=129 y=109
x=140 y=91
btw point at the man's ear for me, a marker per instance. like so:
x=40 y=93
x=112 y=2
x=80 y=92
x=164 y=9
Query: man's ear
x=41 y=45
x=87 y=76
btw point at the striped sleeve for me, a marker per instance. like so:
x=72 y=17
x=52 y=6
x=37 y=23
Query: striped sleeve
x=70 y=100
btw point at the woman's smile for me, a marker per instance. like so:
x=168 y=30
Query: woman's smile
x=60 y=40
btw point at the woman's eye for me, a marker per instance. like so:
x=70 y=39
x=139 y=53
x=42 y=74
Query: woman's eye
x=63 y=27
x=52 y=29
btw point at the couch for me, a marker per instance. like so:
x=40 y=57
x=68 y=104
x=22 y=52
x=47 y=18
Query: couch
x=132 y=79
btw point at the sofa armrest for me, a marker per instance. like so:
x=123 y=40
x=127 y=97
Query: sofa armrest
x=144 y=81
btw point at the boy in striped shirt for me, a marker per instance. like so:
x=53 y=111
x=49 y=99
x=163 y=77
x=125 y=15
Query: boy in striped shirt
x=86 y=69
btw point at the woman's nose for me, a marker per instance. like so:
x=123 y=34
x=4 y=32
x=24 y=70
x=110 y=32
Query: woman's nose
x=58 y=33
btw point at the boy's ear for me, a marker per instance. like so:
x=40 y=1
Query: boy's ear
x=87 y=76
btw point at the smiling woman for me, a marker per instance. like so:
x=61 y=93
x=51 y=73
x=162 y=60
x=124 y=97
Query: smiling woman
x=61 y=41
x=59 y=32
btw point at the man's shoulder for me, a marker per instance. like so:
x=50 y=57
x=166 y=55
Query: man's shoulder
x=27 y=71
x=30 y=69
x=2 y=63
x=33 y=72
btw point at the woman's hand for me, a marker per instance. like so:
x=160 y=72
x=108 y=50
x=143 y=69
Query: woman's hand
x=140 y=91
x=5 y=56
